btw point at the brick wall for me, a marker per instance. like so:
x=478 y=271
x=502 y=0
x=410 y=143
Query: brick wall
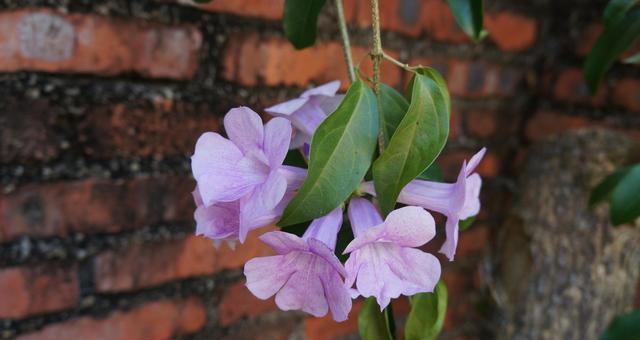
x=101 y=103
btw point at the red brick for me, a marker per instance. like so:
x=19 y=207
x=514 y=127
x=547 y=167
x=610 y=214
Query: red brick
x=238 y=302
x=472 y=241
x=626 y=93
x=571 y=87
x=430 y=16
x=51 y=209
x=157 y=320
x=511 y=31
x=251 y=60
x=268 y=9
x=546 y=123
x=150 y=264
x=588 y=38
x=482 y=124
x=129 y=130
x=37 y=289
x=475 y=79
x=326 y=328
x=44 y=40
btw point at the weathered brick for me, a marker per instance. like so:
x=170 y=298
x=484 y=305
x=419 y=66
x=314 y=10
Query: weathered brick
x=238 y=302
x=157 y=320
x=472 y=241
x=570 y=86
x=626 y=93
x=94 y=205
x=546 y=123
x=25 y=134
x=38 y=289
x=326 y=328
x=451 y=162
x=268 y=9
x=132 y=129
x=589 y=35
x=511 y=31
x=251 y=60
x=45 y=40
x=481 y=124
x=150 y=264
x=475 y=79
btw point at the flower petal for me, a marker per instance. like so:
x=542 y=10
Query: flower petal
x=288 y=107
x=451 y=243
x=283 y=243
x=329 y=104
x=418 y=270
x=338 y=296
x=321 y=250
x=266 y=275
x=308 y=118
x=328 y=89
x=244 y=128
x=325 y=228
x=221 y=171
x=219 y=221
x=375 y=277
x=471 y=205
x=362 y=215
x=474 y=161
x=277 y=136
x=304 y=289
x=409 y=227
x=294 y=176
x=256 y=209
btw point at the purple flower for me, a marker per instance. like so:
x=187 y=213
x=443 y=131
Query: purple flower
x=457 y=201
x=384 y=262
x=306 y=274
x=241 y=180
x=308 y=111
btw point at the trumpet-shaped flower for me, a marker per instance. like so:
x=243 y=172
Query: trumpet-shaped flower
x=384 y=262
x=305 y=274
x=241 y=180
x=457 y=201
x=308 y=111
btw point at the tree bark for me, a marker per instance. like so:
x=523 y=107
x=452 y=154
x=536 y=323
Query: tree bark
x=562 y=270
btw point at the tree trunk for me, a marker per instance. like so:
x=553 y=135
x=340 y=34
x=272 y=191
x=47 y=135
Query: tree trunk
x=563 y=271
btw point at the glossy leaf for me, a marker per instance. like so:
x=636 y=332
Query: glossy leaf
x=605 y=188
x=466 y=223
x=392 y=108
x=372 y=323
x=433 y=173
x=617 y=37
x=469 y=15
x=301 y=21
x=418 y=140
x=624 y=327
x=634 y=59
x=427 y=314
x=341 y=152
x=625 y=199
x=616 y=9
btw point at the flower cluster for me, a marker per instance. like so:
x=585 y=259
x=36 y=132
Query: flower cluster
x=243 y=185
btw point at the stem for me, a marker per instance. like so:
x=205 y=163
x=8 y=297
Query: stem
x=376 y=50
x=346 y=45
x=397 y=62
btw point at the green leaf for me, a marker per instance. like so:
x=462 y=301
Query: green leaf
x=341 y=151
x=295 y=158
x=616 y=9
x=393 y=107
x=427 y=314
x=418 y=140
x=634 y=59
x=469 y=15
x=301 y=21
x=372 y=322
x=625 y=200
x=433 y=173
x=616 y=38
x=466 y=223
x=624 y=327
x=605 y=188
